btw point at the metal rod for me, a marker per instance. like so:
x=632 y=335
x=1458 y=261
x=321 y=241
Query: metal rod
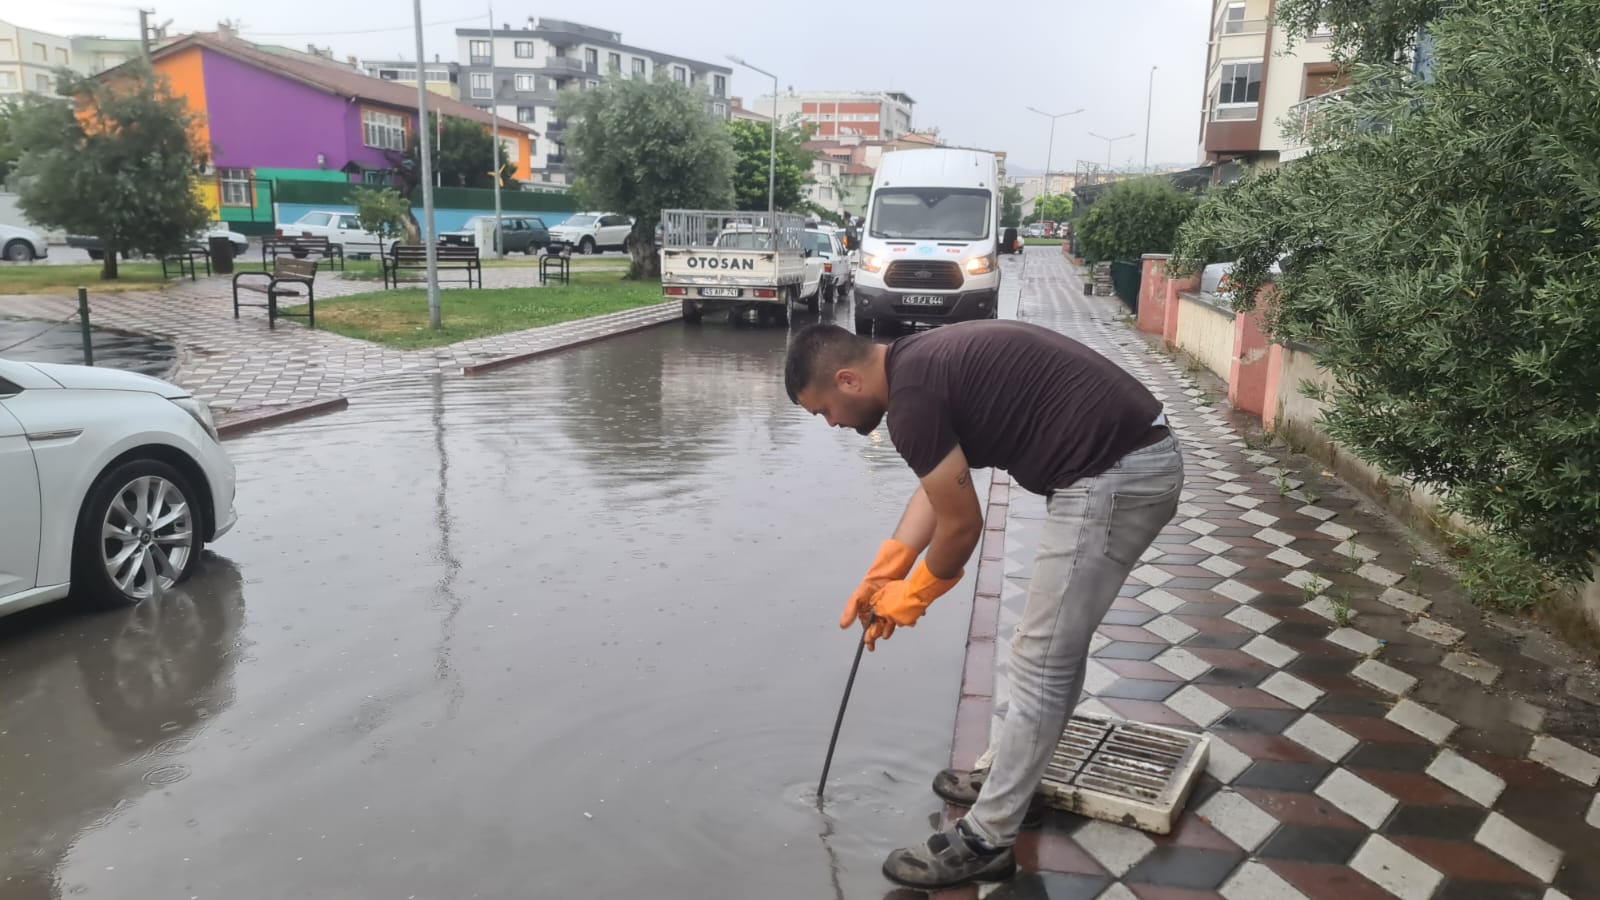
x=83 y=325
x=1150 y=94
x=827 y=763
x=494 y=157
x=431 y=251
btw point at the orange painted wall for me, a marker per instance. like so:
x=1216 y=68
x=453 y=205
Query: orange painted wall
x=185 y=71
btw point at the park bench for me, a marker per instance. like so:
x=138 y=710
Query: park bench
x=555 y=267
x=301 y=247
x=288 y=278
x=415 y=256
x=183 y=261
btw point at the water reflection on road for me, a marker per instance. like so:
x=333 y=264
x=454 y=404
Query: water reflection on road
x=566 y=630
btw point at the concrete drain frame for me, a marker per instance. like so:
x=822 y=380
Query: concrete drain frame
x=1124 y=772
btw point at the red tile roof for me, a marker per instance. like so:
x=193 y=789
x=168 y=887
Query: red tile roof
x=337 y=80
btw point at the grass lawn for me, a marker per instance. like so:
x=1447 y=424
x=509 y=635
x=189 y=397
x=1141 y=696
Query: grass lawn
x=38 y=278
x=399 y=318
x=1042 y=242
x=372 y=270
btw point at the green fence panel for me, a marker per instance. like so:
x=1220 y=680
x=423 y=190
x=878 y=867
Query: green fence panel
x=1125 y=277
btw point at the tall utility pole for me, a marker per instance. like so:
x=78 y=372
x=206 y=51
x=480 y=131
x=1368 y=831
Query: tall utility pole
x=144 y=32
x=428 y=237
x=1049 y=155
x=772 y=159
x=1149 y=95
x=494 y=125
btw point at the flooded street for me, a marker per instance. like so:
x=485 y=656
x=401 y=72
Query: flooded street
x=567 y=630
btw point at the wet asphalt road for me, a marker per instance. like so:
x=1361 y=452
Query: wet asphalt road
x=62 y=342
x=568 y=630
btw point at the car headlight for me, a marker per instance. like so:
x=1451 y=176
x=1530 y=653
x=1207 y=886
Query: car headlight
x=200 y=412
x=872 y=263
x=980 y=265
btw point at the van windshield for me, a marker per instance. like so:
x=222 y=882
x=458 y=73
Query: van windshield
x=930 y=214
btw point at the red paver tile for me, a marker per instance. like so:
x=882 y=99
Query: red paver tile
x=985 y=618
x=991 y=579
x=1049 y=851
x=1412 y=788
x=1521 y=772
x=977 y=677
x=1147 y=711
x=1244 y=698
x=1130 y=633
x=1128 y=604
x=971 y=736
x=1267 y=746
x=1211 y=624
x=1368 y=728
x=1194 y=831
x=1228 y=659
x=1320 y=881
x=1138 y=668
x=1293 y=808
x=1461 y=859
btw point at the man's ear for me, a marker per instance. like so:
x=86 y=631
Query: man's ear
x=848 y=381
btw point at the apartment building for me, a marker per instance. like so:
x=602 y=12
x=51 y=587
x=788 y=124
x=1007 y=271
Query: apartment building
x=871 y=115
x=533 y=64
x=29 y=59
x=442 y=77
x=1255 y=83
x=92 y=54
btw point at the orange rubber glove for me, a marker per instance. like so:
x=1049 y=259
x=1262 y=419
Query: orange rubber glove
x=893 y=563
x=902 y=603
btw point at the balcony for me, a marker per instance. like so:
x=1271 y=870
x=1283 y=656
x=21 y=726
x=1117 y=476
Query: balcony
x=1303 y=118
x=1233 y=27
x=1235 y=112
x=556 y=159
x=564 y=65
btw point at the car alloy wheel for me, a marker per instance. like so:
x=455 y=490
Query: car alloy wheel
x=19 y=251
x=147 y=536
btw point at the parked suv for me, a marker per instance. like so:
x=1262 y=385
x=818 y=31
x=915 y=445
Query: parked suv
x=522 y=234
x=591 y=232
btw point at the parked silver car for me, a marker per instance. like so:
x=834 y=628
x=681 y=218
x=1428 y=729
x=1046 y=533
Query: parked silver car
x=18 y=244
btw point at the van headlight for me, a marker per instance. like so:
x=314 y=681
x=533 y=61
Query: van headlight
x=873 y=263
x=980 y=265
x=200 y=412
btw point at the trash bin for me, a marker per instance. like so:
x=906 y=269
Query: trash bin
x=221 y=249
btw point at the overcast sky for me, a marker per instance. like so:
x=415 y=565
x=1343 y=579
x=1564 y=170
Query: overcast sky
x=973 y=68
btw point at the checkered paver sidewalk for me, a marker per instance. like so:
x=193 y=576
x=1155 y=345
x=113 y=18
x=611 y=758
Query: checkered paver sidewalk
x=1373 y=734
x=236 y=364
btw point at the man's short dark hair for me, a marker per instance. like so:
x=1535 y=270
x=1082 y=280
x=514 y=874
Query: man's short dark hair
x=820 y=350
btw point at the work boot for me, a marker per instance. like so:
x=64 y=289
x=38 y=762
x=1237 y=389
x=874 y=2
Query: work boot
x=961 y=787
x=949 y=859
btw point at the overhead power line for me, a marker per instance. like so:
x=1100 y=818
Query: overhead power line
x=254 y=33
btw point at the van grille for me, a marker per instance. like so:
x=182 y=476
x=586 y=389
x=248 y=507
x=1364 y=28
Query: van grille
x=923 y=275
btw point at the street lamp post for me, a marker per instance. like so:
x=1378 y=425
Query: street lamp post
x=1149 y=95
x=431 y=251
x=1049 y=153
x=772 y=159
x=1109 y=141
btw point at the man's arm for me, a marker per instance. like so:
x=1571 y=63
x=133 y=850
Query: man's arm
x=916 y=524
x=957 y=516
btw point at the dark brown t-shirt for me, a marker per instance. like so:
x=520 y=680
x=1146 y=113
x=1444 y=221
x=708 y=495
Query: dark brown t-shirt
x=1014 y=396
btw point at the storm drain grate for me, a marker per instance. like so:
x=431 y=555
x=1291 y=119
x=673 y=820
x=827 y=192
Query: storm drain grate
x=1124 y=772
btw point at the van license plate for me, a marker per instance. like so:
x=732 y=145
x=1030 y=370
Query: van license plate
x=923 y=300
x=719 y=292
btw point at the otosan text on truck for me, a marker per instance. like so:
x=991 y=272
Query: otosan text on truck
x=715 y=262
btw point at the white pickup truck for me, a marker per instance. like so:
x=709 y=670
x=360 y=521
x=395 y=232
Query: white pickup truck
x=739 y=262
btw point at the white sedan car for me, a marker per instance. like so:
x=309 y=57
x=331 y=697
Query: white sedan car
x=110 y=484
x=18 y=244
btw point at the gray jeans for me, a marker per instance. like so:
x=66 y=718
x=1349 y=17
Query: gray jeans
x=1094 y=534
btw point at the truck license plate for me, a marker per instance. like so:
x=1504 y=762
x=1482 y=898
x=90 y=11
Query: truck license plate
x=719 y=292
x=923 y=300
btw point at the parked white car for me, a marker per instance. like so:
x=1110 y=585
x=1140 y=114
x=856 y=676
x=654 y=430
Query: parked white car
x=111 y=483
x=340 y=228
x=591 y=232
x=836 y=276
x=18 y=244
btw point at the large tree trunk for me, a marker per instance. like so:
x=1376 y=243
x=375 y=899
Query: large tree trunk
x=646 y=265
x=108 y=267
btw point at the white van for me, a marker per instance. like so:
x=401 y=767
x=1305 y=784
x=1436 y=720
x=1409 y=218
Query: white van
x=929 y=249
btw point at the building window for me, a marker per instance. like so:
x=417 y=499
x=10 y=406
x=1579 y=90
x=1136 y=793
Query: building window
x=8 y=48
x=478 y=50
x=525 y=114
x=613 y=62
x=523 y=49
x=639 y=68
x=41 y=53
x=527 y=83
x=1233 y=18
x=680 y=74
x=591 y=59
x=482 y=85
x=438 y=76
x=375 y=177
x=719 y=86
x=385 y=131
x=62 y=56
x=1241 y=83
x=43 y=84
x=235 y=187
x=8 y=81
x=720 y=110
x=590 y=84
